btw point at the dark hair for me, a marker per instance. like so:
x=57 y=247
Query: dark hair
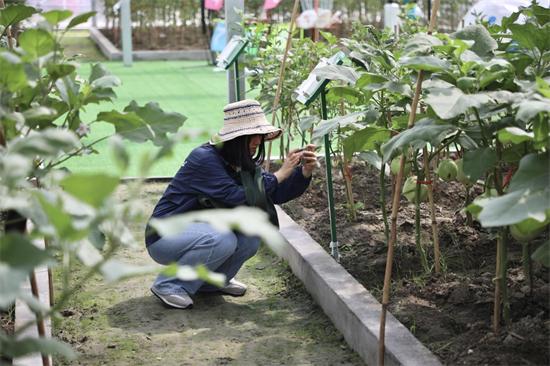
x=236 y=153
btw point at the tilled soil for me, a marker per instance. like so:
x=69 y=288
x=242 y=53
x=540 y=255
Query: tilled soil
x=449 y=312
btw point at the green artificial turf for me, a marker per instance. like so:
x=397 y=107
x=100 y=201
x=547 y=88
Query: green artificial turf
x=191 y=88
x=188 y=87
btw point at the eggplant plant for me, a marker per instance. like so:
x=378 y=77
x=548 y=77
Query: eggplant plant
x=75 y=214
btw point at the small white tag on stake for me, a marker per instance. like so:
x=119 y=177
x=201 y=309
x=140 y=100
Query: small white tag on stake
x=334 y=251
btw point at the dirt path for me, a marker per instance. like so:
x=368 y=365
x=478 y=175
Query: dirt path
x=275 y=323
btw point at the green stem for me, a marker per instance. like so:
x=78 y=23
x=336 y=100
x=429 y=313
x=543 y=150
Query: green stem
x=417 y=229
x=383 y=202
x=527 y=265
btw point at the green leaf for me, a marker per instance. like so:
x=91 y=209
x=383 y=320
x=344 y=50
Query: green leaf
x=528 y=109
x=370 y=78
x=248 y=220
x=543 y=87
x=426 y=63
x=68 y=89
x=530 y=36
x=119 y=152
x=48 y=143
x=448 y=101
x=106 y=81
x=36 y=42
x=421 y=43
x=40 y=116
x=483 y=42
x=478 y=162
x=307 y=122
x=13 y=76
x=541 y=13
x=514 y=135
x=159 y=121
x=10 y=285
x=528 y=195
x=89 y=187
x=114 y=270
x=512 y=208
x=542 y=254
x=20 y=347
x=336 y=93
x=61 y=222
x=56 y=16
x=14 y=14
x=19 y=253
x=57 y=71
x=129 y=125
x=79 y=19
x=532 y=174
x=365 y=139
x=424 y=132
x=98 y=71
x=337 y=72
x=327 y=126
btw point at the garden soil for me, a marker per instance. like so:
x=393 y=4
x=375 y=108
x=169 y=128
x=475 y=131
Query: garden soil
x=450 y=312
x=275 y=323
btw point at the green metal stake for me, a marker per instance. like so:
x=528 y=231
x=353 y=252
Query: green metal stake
x=237 y=86
x=333 y=240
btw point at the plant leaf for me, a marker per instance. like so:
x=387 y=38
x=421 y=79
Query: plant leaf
x=478 y=162
x=426 y=63
x=248 y=220
x=514 y=135
x=14 y=14
x=89 y=187
x=483 y=42
x=336 y=72
x=542 y=254
x=56 y=16
x=20 y=347
x=424 y=132
x=36 y=42
x=365 y=139
x=448 y=101
x=79 y=19
x=327 y=126
x=19 y=253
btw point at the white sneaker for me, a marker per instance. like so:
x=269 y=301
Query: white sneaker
x=234 y=288
x=180 y=301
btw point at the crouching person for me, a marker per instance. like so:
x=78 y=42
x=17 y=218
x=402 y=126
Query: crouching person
x=225 y=172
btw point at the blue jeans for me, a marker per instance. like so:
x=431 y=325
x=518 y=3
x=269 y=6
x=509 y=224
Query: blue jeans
x=201 y=244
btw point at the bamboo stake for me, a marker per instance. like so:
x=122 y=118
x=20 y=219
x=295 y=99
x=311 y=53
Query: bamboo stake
x=395 y=206
x=282 y=76
x=39 y=319
x=435 y=231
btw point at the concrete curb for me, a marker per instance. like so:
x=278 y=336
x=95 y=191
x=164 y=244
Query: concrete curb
x=352 y=309
x=112 y=53
x=23 y=314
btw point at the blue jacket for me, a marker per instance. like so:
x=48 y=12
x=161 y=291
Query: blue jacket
x=205 y=173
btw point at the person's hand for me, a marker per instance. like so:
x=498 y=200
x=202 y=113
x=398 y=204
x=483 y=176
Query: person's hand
x=291 y=161
x=309 y=160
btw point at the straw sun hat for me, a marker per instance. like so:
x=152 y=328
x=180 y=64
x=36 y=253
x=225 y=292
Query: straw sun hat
x=245 y=117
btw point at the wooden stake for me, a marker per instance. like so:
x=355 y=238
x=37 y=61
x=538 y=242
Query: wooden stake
x=39 y=320
x=395 y=206
x=282 y=76
x=435 y=231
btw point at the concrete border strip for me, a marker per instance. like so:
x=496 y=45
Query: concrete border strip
x=352 y=309
x=112 y=53
x=23 y=314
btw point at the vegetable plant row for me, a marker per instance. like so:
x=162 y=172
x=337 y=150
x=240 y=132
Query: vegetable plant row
x=482 y=119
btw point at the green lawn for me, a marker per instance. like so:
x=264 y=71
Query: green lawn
x=189 y=87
